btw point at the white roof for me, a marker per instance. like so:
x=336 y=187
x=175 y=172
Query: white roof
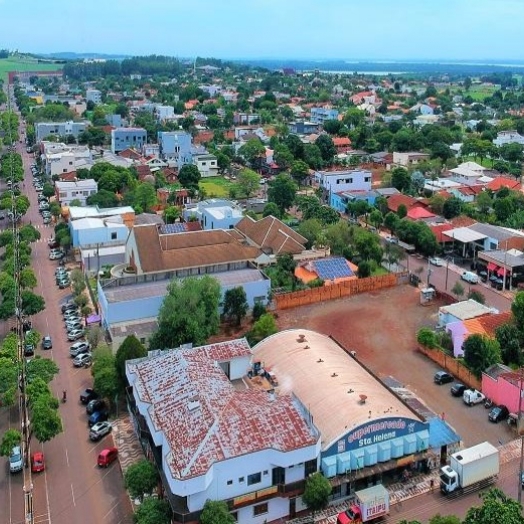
x=464 y=172
x=464 y=234
x=103 y=251
x=91 y=223
x=76 y=212
x=472 y=165
x=87 y=183
x=466 y=309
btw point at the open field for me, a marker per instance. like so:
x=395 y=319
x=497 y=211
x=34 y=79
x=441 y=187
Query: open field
x=216 y=186
x=18 y=64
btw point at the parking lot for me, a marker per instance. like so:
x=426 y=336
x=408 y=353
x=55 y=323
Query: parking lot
x=381 y=327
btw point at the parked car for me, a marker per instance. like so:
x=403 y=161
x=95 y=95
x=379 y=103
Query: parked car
x=95 y=405
x=53 y=243
x=70 y=321
x=78 y=348
x=457 y=389
x=56 y=254
x=64 y=283
x=68 y=306
x=498 y=413
x=16 y=461
x=96 y=417
x=107 y=457
x=47 y=343
x=472 y=396
x=442 y=377
x=74 y=326
x=436 y=261
x=391 y=240
x=88 y=395
x=82 y=360
x=469 y=277
x=100 y=430
x=29 y=349
x=37 y=462
x=46 y=220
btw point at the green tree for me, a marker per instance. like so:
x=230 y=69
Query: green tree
x=317 y=492
x=130 y=348
x=45 y=420
x=216 y=512
x=248 y=181
x=327 y=148
x=94 y=334
x=141 y=478
x=299 y=171
x=252 y=150
x=271 y=209
x=103 y=199
x=364 y=269
x=235 y=305
x=282 y=191
x=105 y=376
x=477 y=296
x=48 y=190
x=452 y=207
x=41 y=368
x=171 y=214
x=28 y=278
x=311 y=230
x=189 y=313
x=517 y=308
x=10 y=439
x=153 y=511
x=263 y=328
x=376 y=218
x=509 y=337
x=400 y=179
x=189 y=176
x=446 y=519
x=480 y=352
x=458 y=290
x=391 y=221
x=426 y=337
x=31 y=303
x=496 y=507
x=484 y=202
x=402 y=211
x=144 y=197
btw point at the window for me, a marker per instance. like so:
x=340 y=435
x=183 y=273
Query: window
x=235 y=516
x=260 y=509
x=229 y=482
x=142 y=340
x=310 y=467
x=254 y=479
x=113 y=236
x=241 y=479
x=367 y=179
x=265 y=472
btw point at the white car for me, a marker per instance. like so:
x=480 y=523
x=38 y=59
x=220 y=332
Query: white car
x=473 y=396
x=82 y=360
x=436 y=261
x=16 y=461
x=99 y=430
x=75 y=335
x=78 y=348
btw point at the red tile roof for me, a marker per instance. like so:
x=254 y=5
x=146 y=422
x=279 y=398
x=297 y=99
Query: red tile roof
x=394 y=201
x=462 y=221
x=438 y=229
x=501 y=182
x=341 y=141
x=132 y=154
x=417 y=213
x=204 y=419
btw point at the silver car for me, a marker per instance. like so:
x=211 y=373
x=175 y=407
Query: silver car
x=99 y=430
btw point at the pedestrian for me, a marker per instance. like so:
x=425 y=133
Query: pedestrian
x=443 y=416
x=432 y=484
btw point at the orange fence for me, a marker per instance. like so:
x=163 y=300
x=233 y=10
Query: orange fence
x=334 y=291
x=454 y=366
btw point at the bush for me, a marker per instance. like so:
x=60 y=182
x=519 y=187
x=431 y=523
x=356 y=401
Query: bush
x=427 y=337
x=258 y=310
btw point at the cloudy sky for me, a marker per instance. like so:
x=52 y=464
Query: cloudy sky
x=350 y=29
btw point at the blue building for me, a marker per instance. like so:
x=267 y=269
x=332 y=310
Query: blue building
x=127 y=138
x=339 y=201
x=175 y=147
x=92 y=232
x=59 y=129
x=303 y=128
x=320 y=114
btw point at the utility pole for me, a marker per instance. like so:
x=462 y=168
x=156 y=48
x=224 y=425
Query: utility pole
x=519 y=420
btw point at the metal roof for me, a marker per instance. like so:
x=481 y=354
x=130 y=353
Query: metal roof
x=464 y=235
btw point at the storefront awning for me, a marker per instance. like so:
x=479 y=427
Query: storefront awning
x=500 y=272
x=492 y=266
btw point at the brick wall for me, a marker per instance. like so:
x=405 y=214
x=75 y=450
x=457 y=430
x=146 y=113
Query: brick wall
x=334 y=291
x=453 y=366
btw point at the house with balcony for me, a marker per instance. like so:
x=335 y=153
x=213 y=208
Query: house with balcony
x=66 y=192
x=341 y=181
x=127 y=137
x=175 y=147
x=244 y=445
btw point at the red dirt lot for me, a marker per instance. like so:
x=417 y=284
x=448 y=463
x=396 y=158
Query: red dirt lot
x=381 y=327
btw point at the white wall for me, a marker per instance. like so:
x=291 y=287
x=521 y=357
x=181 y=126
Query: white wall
x=277 y=508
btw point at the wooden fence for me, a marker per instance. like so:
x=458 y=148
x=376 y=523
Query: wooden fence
x=453 y=365
x=335 y=291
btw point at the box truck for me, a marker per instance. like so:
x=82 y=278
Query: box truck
x=470 y=468
x=370 y=504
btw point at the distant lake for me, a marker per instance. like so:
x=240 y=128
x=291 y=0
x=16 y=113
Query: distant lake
x=377 y=73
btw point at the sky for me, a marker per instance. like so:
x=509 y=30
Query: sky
x=300 y=29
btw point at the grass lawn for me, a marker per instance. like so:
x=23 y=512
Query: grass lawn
x=480 y=92
x=380 y=271
x=486 y=162
x=23 y=64
x=216 y=186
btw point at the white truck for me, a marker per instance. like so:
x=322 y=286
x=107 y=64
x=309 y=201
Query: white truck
x=470 y=277
x=473 y=396
x=470 y=469
x=370 y=504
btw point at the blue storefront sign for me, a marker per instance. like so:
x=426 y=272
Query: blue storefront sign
x=375 y=432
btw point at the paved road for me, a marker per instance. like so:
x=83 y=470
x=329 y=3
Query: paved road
x=72 y=489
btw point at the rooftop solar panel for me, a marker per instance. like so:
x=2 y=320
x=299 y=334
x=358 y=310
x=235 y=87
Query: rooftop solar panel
x=178 y=227
x=332 y=268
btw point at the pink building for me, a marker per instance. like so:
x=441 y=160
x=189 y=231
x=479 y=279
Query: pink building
x=502 y=385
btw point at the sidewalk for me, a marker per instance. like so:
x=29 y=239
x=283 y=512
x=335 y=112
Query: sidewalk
x=124 y=436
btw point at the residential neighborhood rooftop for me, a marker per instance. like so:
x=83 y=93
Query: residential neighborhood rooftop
x=466 y=309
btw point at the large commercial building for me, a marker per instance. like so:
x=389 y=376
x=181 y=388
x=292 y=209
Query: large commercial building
x=247 y=426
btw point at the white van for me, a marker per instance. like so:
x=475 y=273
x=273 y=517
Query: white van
x=470 y=277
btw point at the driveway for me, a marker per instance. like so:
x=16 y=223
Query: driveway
x=72 y=489
x=381 y=327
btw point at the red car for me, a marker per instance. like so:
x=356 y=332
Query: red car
x=37 y=462
x=106 y=457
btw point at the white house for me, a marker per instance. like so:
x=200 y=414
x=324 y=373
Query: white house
x=214 y=439
x=80 y=190
x=214 y=214
x=508 y=137
x=347 y=180
x=409 y=159
x=207 y=164
x=94 y=95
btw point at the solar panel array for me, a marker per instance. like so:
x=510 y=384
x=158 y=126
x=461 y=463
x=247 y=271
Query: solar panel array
x=177 y=227
x=332 y=268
